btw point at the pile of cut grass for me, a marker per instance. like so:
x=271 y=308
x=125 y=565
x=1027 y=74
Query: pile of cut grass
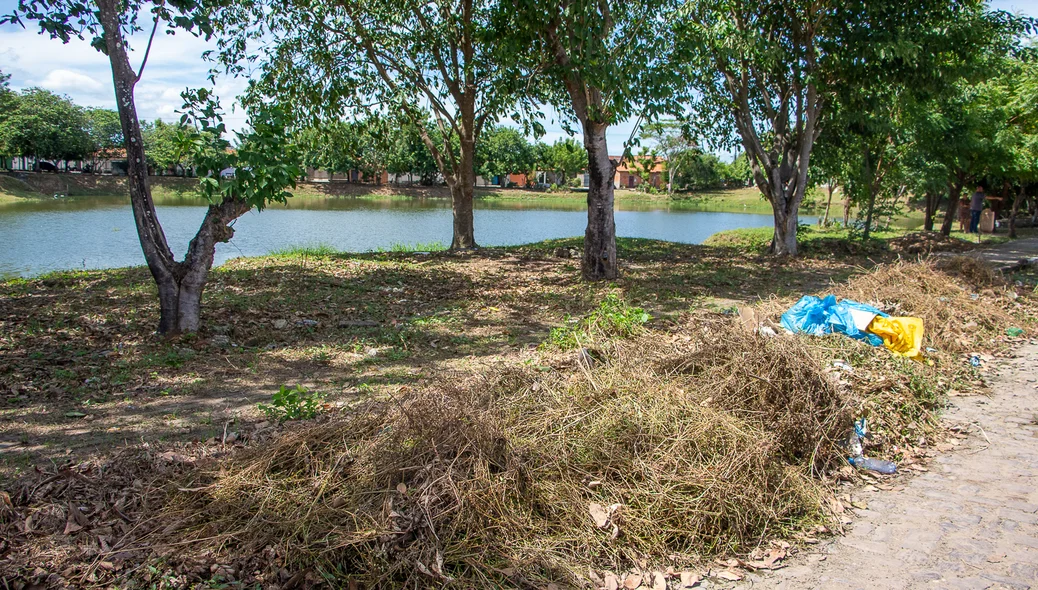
x=708 y=441
x=965 y=308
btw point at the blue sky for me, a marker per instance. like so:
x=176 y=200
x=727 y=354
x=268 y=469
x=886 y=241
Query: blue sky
x=175 y=63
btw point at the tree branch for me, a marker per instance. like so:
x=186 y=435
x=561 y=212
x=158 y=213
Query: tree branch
x=147 y=51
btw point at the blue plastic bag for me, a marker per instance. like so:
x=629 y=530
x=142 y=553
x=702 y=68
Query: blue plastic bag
x=815 y=316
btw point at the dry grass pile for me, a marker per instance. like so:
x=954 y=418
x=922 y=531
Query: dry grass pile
x=690 y=446
x=662 y=450
x=966 y=310
x=963 y=305
x=927 y=242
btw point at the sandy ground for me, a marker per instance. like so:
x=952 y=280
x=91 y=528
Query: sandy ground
x=970 y=522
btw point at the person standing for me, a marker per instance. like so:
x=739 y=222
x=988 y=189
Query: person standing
x=964 y=213
x=976 y=206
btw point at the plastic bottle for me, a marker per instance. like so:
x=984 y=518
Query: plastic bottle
x=877 y=465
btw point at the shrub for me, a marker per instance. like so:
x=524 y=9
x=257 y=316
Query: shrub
x=295 y=403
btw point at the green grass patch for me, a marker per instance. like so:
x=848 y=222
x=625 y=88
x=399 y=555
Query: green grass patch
x=415 y=247
x=13 y=190
x=306 y=251
x=613 y=317
x=293 y=403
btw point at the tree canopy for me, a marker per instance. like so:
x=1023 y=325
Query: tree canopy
x=403 y=58
x=44 y=125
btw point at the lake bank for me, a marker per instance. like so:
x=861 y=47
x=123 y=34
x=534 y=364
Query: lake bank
x=46 y=185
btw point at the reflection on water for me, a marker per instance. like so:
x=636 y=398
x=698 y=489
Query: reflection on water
x=97 y=232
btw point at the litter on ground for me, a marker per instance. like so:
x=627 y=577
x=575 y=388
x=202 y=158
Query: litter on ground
x=811 y=315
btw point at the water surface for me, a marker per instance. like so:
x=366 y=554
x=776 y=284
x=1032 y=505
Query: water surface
x=38 y=236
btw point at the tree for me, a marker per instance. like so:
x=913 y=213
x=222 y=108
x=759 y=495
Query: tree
x=45 y=126
x=567 y=159
x=737 y=172
x=756 y=67
x=699 y=171
x=163 y=147
x=606 y=61
x=105 y=134
x=502 y=151
x=407 y=55
x=669 y=138
x=882 y=102
x=764 y=72
x=8 y=100
x=1022 y=87
x=344 y=146
x=542 y=157
x=264 y=163
x=407 y=153
x=965 y=132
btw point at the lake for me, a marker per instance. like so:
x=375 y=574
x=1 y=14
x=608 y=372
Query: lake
x=98 y=232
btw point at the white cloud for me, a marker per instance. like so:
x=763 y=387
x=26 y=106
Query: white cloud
x=81 y=72
x=63 y=81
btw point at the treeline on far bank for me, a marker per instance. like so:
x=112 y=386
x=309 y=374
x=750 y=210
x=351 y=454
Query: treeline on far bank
x=42 y=130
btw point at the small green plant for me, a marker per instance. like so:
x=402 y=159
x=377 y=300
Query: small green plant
x=614 y=317
x=293 y=403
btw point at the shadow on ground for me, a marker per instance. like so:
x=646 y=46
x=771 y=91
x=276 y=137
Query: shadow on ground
x=82 y=372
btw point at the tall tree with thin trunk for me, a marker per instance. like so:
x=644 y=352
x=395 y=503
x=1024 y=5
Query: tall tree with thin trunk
x=606 y=61
x=265 y=167
x=755 y=71
x=766 y=72
x=408 y=58
x=669 y=138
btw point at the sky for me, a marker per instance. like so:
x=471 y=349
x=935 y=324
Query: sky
x=77 y=70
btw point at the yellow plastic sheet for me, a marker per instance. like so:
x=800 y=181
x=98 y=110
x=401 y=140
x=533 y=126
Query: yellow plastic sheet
x=901 y=335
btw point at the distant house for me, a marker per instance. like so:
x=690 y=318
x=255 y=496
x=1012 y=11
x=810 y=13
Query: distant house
x=97 y=163
x=353 y=176
x=627 y=176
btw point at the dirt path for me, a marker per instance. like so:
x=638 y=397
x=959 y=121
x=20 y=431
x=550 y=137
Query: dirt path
x=1010 y=254
x=970 y=522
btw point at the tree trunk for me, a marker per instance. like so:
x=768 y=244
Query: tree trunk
x=1020 y=198
x=903 y=190
x=828 y=205
x=932 y=200
x=180 y=284
x=785 y=195
x=600 y=236
x=784 y=242
x=461 y=198
x=846 y=209
x=954 y=192
x=870 y=208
